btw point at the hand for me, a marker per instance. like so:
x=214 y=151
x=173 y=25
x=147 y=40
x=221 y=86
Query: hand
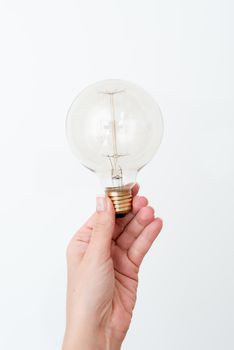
x=103 y=261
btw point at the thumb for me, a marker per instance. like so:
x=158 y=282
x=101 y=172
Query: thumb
x=103 y=226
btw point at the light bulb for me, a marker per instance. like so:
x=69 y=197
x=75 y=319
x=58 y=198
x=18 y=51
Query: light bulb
x=114 y=128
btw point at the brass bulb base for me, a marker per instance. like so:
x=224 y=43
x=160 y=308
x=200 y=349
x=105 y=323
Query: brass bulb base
x=121 y=198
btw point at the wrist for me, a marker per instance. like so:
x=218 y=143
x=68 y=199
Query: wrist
x=97 y=339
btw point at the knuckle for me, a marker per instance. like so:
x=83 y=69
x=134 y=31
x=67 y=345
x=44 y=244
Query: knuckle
x=100 y=225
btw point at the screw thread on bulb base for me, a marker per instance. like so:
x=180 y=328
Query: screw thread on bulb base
x=121 y=198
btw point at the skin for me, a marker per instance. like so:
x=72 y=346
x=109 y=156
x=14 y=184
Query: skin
x=103 y=261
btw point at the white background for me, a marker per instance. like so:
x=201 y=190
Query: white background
x=182 y=53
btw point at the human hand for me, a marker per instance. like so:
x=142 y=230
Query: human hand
x=103 y=260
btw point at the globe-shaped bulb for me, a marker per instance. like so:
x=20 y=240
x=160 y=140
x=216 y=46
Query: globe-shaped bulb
x=114 y=127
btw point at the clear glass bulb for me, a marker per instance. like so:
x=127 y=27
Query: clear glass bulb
x=114 y=128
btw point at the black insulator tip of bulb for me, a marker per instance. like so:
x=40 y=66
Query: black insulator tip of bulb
x=119 y=215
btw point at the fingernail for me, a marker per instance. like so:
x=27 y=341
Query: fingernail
x=101 y=203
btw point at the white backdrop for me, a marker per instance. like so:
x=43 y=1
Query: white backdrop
x=182 y=52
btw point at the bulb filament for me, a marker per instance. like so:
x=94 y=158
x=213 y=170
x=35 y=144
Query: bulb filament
x=116 y=171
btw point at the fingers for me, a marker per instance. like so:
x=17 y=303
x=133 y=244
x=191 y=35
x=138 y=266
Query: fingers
x=138 y=202
x=103 y=226
x=82 y=235
x=142 y=244
x=122 y=222
x=144 y=216
x=135 y=189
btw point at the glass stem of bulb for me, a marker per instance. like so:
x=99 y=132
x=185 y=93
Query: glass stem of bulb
x=116 y=171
